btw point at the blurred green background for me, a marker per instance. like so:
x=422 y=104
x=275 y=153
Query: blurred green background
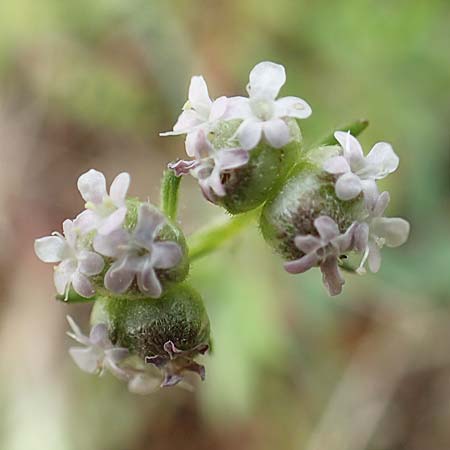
x=91 y=83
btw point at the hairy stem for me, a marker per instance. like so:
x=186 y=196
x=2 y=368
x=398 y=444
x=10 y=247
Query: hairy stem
x=212 y=237
x=355 y=128
x=169 y=194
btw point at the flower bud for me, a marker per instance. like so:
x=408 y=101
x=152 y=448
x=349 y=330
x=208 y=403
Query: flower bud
x=168 y=332
x=249 y=186
x=308 y=194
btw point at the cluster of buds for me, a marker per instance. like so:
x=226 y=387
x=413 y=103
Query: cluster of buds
x=317 y=208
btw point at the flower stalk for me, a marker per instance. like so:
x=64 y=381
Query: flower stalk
x=170 y=186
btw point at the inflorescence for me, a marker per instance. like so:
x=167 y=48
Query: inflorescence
x=318 y=207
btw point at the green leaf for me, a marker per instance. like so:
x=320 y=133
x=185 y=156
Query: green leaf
x=169 y=194
x=355 y=128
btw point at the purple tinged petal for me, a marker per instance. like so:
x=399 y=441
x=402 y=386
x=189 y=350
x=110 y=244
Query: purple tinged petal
x=82 y=285
x=148 y=282
x=393 y=230
x=109 y=245
x=229 y=159
x=218 y=108
x=361 y=237
x=87 y=359
x=99 y=336
x=117 y=354
x=166 y=255
x=348 y=186
x=119 y=276
x=148 y=224
x=352 y=148
x=182 y=167
x=86 y=221
x=336 y=165
x=374 y=259
x=50 y=249
x=186 y=122
x=70 y=232
x=327 y=228
x=276 y=132
x=331 y=276
x=206 y=190
x=308 y=244
x=371 y=193
x=292 y=107
x=249 y=133
x=198 y=95
x=238 y=108
x=113 y=221
x=90 y=263
x=215 y=182
x=92 y=186
x=119 y=188
x=344 y=242
x=381 y=204
x=381 y=160
x=302 y=264
x=62 y=275
x=266 y=80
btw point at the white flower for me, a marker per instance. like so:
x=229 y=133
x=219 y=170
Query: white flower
x=377 y=231
x=199 y=112
x=98 y=353
x=137 y=254
x=262 y=114
x=357 y=172
x=76 y=264
x=104 y=212
x=210 y=164
x=324 y=251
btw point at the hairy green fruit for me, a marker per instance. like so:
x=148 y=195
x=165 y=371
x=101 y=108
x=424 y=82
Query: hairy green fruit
x=250 y=186
x=308 y=194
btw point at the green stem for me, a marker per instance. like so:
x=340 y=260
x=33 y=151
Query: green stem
x=355 y=128
x=215 y=236
x=169 y=194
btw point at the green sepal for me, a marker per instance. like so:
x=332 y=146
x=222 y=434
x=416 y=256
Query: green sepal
x=73 y=297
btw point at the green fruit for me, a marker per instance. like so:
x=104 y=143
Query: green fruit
x=144 y=326
x=308 y=193
x=250 y=186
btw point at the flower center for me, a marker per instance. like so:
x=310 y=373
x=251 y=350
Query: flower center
x=104 y=209
x=262 y=108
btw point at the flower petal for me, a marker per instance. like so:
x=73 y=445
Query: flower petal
x=381 y=161
x=249 y=133
x=348 y=186
x=200 y=145
x=352 y=148
x=331 y=276
x=393 y=230
x=187 y=121
x=218 y=108
x=82 y=285
x=381 y=204
x=307 y=244
x=148 y=224
x=166 y=255
x=199 y=96
x=302 y=264
x=50 y=249
x=87 y=359
x=86 y=221
x=229 y=159
x=90 y=263
x=62 y=275
x=182 y=167
x=148 y=282
x=214 y=182
x=374 y=259
x=113 y=221
x=143 y=384
x=371 y=193
x=266 y=80
x=76 y=333
x=92 y=186
x=108 y=245
x=238 y=108
x=99 y=336
x=119 y=188
x=327 y=228
x=361 y=237
x=276 y=132
x=119 y=276
x=336 y=165
x=292 y=107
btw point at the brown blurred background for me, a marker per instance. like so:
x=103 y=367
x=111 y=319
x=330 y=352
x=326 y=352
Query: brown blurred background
x=91 y=83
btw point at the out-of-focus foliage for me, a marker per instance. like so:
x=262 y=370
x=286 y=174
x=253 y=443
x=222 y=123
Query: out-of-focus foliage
x=91 y=84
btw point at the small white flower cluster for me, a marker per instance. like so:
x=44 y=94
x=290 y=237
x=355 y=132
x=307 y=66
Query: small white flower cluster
x=354 y=174
x=99 y=232
x=99 y=355
x=261 y=115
